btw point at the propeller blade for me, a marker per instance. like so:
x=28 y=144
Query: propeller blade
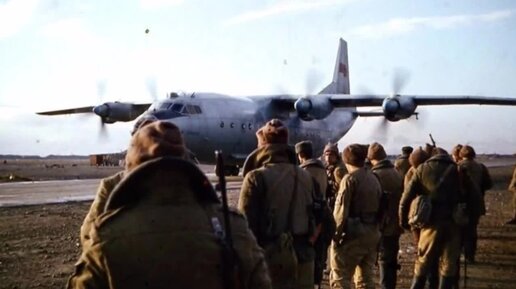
x=103 y=134
x=313 y=81
x=401 y=77
x=101 y=89
x=151 y=84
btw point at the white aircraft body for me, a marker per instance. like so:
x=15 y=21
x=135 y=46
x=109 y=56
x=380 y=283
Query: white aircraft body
x=211 y=121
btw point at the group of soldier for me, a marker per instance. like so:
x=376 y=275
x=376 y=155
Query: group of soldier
x=160 y=223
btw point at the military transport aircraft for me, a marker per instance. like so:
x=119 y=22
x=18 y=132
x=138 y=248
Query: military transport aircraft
x=211 y=121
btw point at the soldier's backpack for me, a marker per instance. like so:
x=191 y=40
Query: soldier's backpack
x=386 y=204
x=419 y=212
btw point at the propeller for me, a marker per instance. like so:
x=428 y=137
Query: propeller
x=101 y=110
x=313 y=81
x=103 y=134
x=152 y=87
x=399 y=81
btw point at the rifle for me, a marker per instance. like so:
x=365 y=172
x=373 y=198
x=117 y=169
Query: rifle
x=432 y=139
x=229 y=257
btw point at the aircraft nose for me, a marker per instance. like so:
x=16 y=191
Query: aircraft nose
x=101 y=110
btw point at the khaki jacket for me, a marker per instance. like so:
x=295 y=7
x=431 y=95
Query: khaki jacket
x=267 y=193
x=479 y=176
x=408 y=176
x=358 y=196
x=335 y=175
x=159 y=229
x=104 y=190
x=402 y=164
x=316 y=169
x=512 y=185
x=391 y=181
x=438 y=178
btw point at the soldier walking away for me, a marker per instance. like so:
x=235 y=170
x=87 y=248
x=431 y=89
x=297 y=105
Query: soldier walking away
x=417 y=157
x=104 y=190
x=335 y=170
x=401 y=163
x=162 y=226
x=481 y=180
x=324 y=218
x=277 y=200
x=392 y=184
x=439 y=241
x=354 y=246
x=512 y=188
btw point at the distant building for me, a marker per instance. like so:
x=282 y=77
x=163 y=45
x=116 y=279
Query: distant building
x=116 y=159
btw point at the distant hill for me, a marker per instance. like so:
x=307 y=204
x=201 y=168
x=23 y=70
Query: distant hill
x=66 y=157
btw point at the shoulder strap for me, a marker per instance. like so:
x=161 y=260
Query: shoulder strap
x=292 y=201
x=444 y=176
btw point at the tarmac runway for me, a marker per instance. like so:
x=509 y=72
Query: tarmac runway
x=51 y=192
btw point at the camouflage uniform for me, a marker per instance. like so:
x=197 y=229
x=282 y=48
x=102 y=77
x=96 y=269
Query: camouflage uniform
x=97 y=207
x=161 y=228
x=266 y=199
x=512 y=188
x=357 y=199
x=391 y=181
x=439 y=242
x=479 y=175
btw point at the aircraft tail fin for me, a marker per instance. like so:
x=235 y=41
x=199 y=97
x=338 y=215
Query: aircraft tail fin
x=340 y=82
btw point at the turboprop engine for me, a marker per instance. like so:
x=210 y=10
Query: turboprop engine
x=310 y=108
x=111 y=112
x=396 y=107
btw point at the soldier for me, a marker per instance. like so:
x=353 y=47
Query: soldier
x=335 y=170
x=439 y=241
x=354 y=246
x=480 y=178
x=456 y=153
x=416 y=158
x=392 y=183
x=277 y=200
x=312 y=165
x=401 y=163
x=326 y=227
x=512 y=188
x=163 y=226
x=104 y=191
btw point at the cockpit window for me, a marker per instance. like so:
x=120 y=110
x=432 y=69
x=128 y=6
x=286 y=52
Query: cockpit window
x=164 y=106
x=177 y=107
x=192 y=109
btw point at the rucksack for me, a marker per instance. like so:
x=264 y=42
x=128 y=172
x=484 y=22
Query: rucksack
x=419 y=212
x=386 y=204
x=384 y=207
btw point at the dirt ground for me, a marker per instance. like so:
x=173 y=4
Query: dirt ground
x=40 y=244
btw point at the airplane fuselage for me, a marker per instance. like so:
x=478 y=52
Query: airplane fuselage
x=212 y=122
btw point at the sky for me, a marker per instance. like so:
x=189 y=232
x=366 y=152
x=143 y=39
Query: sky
x=57 y=54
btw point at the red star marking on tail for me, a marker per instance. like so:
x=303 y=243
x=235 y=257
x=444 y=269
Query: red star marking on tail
x=343 y=69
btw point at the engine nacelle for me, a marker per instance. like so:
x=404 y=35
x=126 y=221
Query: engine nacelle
x=111 y=112
x=310 y=108
x=396 y=107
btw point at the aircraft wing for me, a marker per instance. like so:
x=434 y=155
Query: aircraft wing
x=350 y=100
x=86 y=109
